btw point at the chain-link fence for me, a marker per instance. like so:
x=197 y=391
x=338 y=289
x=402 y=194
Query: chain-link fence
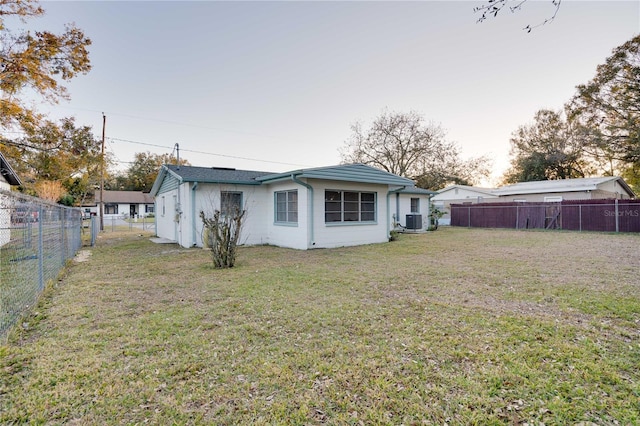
x=124 y=223
x=36 y=239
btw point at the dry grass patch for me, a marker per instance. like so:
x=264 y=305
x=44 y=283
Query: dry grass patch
x=458 y=326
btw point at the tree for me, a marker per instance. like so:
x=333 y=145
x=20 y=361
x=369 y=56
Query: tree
x=57 y=152
x=142 y=173
x=491 y=8
x=608 y=109
x=36 y=61
x=403 y=144
x=545 y=150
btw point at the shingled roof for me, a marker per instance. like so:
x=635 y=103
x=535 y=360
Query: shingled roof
x=215 y=174
x=345 y=172
x=125 y=197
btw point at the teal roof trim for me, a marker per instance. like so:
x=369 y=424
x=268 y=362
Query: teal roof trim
x=360 y=173
x=346 y=172
x=416 y=190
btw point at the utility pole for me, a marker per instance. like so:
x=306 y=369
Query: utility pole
x=177 y=155
x=104 y=124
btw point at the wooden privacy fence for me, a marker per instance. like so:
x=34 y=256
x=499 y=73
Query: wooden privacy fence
x=575 y=215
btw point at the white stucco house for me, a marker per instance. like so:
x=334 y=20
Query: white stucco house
x=459 y=194
x=322 y=207
x=8 y=178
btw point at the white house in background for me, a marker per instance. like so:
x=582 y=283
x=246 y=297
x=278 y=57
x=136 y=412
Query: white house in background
x=459 y=194
x=8 y=178
x=122 y=204
x=322 y=207
x=594 y=188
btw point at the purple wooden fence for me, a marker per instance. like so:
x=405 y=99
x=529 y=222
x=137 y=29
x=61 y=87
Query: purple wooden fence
x=577 y=215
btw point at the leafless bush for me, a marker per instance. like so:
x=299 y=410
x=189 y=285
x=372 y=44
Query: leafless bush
x=221 y=234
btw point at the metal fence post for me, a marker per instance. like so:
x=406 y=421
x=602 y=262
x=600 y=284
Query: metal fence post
x=40 y=247
x=63 y=236
x=580 y=216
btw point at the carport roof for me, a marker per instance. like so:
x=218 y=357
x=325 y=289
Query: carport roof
x=560 y=185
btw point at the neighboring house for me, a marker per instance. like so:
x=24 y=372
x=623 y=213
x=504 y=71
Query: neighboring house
x=459 y=194
x=8 y=178
x=122 y=204
x=311 y=208
x=567 y=189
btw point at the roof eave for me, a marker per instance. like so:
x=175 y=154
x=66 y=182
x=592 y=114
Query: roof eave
x=8 y=172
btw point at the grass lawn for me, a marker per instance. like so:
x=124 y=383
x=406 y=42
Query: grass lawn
x=458 y=326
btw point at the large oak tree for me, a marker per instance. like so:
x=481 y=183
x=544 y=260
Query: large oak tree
x=549 y=148
x=608 y=109
x=405 y=144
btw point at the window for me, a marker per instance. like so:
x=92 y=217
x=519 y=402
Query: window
x=148 y=208
x=287 y=206
x=110 y=209
x=415 y=205
x=348 y=206
x=230 y=203
x=163 y=210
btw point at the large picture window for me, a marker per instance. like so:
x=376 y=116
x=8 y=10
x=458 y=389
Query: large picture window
x=287 y=206
x=230 y=203
x=349 y=206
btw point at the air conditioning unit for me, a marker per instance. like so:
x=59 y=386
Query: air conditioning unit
x=414 y=221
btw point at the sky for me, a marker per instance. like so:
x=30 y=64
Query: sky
x=276 y=86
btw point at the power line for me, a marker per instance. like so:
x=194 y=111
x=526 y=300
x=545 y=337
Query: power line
x=160 y=120
x=208 y=153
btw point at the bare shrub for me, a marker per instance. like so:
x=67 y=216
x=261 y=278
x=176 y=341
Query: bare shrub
x=221 y=234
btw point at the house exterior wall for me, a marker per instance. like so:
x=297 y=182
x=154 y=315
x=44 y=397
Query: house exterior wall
x=327 y=235
x=167 y=215
x=575 y=195
x=292 y=235
x=177 y=213
x=208 y=200
x=404 y=208
x=611 y=189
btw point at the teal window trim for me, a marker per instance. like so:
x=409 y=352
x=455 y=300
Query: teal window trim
x=285 y=205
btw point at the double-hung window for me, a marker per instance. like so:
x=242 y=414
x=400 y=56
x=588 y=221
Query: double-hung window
x=415 y=205
x=230 y=203
x=286 y=206
x=349 y=206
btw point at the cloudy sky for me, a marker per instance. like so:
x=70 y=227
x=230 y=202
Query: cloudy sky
x=275 y=86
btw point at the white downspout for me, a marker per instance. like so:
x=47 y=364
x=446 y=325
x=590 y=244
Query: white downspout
x=193 y=214
x=393 y=191
x=310 y=214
